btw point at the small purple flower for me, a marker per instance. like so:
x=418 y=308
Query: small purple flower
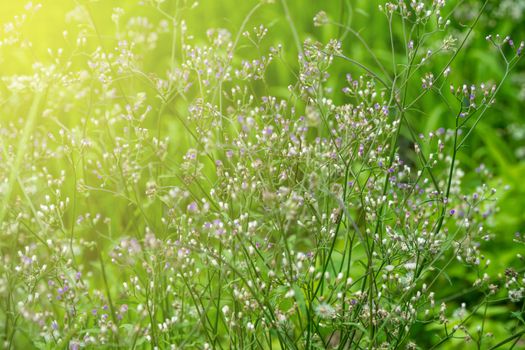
x=192 y=207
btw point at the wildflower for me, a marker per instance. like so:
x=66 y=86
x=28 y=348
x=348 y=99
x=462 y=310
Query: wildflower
x=320 y=19
x=325 y=311
x=225 y=310
x=515 y=295
x=290 y=294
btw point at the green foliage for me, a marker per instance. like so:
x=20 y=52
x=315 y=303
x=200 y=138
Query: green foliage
x=262 y=174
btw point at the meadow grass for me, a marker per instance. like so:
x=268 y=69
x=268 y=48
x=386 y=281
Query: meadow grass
x=166 y=189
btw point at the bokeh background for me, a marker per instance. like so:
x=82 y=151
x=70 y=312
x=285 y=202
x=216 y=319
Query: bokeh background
x=498 y=142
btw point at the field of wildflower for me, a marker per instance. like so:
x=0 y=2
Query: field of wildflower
x=262 y=174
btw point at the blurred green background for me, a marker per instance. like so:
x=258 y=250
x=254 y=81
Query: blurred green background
x=498 y=142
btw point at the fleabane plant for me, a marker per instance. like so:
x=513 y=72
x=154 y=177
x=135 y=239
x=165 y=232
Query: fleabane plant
x=184 y=205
